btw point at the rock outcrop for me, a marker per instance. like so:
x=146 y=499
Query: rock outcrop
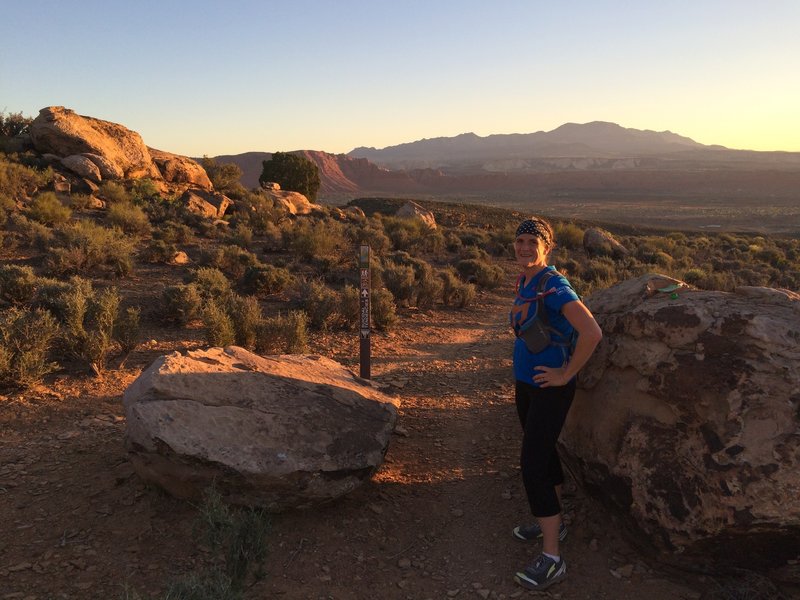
x=277 y=432
x=60 y=131
x=294 y=203
x=180 y=169
x=412 y=210
x=205 y=203
x=688 y=415
x=597 y=242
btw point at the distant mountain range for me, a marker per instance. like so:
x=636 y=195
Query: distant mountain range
x=574 y=156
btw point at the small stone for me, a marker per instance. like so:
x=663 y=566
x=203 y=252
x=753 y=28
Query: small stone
x=625 y=570
x=457 y=512
x=404 y=563
x=452 y=593
x=484 y=593
x=20 y=567
x=376 y=509
x=401 y=431
x=506 y=495
x=593 y=544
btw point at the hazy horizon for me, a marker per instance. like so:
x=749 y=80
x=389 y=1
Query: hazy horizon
x=219 y=79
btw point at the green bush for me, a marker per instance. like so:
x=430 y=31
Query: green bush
x=26 y=337
x=231 y=260
x=382 y=309
x=283 y=334
x=19 y=182
x=321 y=304
x=113 y=192
x=158 y=251
x=323 y=239
x=400 y=281
x=30 y=233
x=568 y=235
x=144 y=191
x=482 y=273
x=246 y=316
x=454 y=291
x=211 y=283
x=85 y=247
x=266 y=279
x=17 y=284
x=181 y=303
x=428 y=289
x=219 y=326
x=241 y=236
x=127 y=330
x=47 y=209
x=293 y=172
x=129 y=218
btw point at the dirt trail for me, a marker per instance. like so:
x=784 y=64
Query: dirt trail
x=435 y=522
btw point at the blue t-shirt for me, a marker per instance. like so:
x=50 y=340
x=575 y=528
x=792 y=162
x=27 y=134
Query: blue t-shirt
x=523 y=310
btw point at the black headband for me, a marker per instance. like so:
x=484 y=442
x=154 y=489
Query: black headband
x=536 y=228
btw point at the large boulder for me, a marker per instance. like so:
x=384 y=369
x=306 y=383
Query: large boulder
x=60 y=131
x=180 y=169
x=294 y=203
x=82 y=166
x=687 y=417
x=412 y=210
x=277 y=432
x=598 y=242
x=205 y=203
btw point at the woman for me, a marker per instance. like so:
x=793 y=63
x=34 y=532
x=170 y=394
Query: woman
x=545 y=386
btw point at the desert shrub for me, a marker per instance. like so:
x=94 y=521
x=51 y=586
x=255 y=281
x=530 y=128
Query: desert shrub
x=258 y=212
x=428 y=288
x=482 y=273
x=454 y=291
x=752 y=277
x=13 y=124
x=211 y=283
x=26 y=337
x=174 y=232
x=372 y=235
x=274 y=240
x=568 y=235
x=266 y=279
x=241 y=236
x=30 y=233
x=19 y=182
x=223 y=176
x=89 y=322
x=321 y=304
x=144 y=191
x=600 y=271
x=452 y=242
x=113 y=192
x=382 y=309
x=473 y=237
x=231 y=260
x=474 y=253
x=283 y=334
x=501 y=243
x=399 y=280
x=413 y=234
x=127 y=330
x=350 y=307
x=219 y=326
x=17 y=284
x=80 y=201
x=324 y=239
x=692 y=276
x=245 y=313
x=157 y=251
x=720 y=281
x=181 y=303
x=46 y=208
x=85 y=247
x=129 y=218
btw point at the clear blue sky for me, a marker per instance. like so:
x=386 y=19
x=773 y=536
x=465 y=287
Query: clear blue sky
x=215 y=78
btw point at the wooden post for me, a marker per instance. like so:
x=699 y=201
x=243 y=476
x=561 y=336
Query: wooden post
x=364 y=317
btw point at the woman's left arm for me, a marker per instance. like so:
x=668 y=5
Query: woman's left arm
x=589 y=335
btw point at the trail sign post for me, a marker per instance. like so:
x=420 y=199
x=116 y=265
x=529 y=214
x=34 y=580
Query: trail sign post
x=364 y=318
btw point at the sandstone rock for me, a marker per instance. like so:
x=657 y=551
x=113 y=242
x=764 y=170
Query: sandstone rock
x=61 y=131
x=278 y=431
x=271 y=186
x=597 y=242
x=180 y=169
x=108 y=169
x=179 y=258
x=687 y=416
x=294 y=203
x=208 y=204
x=82 y=166
x=355 y=213
x=412 y=210
x=60 y=184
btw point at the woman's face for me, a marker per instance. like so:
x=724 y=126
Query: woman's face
x=530 y=251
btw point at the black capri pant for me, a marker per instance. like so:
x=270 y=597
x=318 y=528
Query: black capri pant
x=542 y=412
